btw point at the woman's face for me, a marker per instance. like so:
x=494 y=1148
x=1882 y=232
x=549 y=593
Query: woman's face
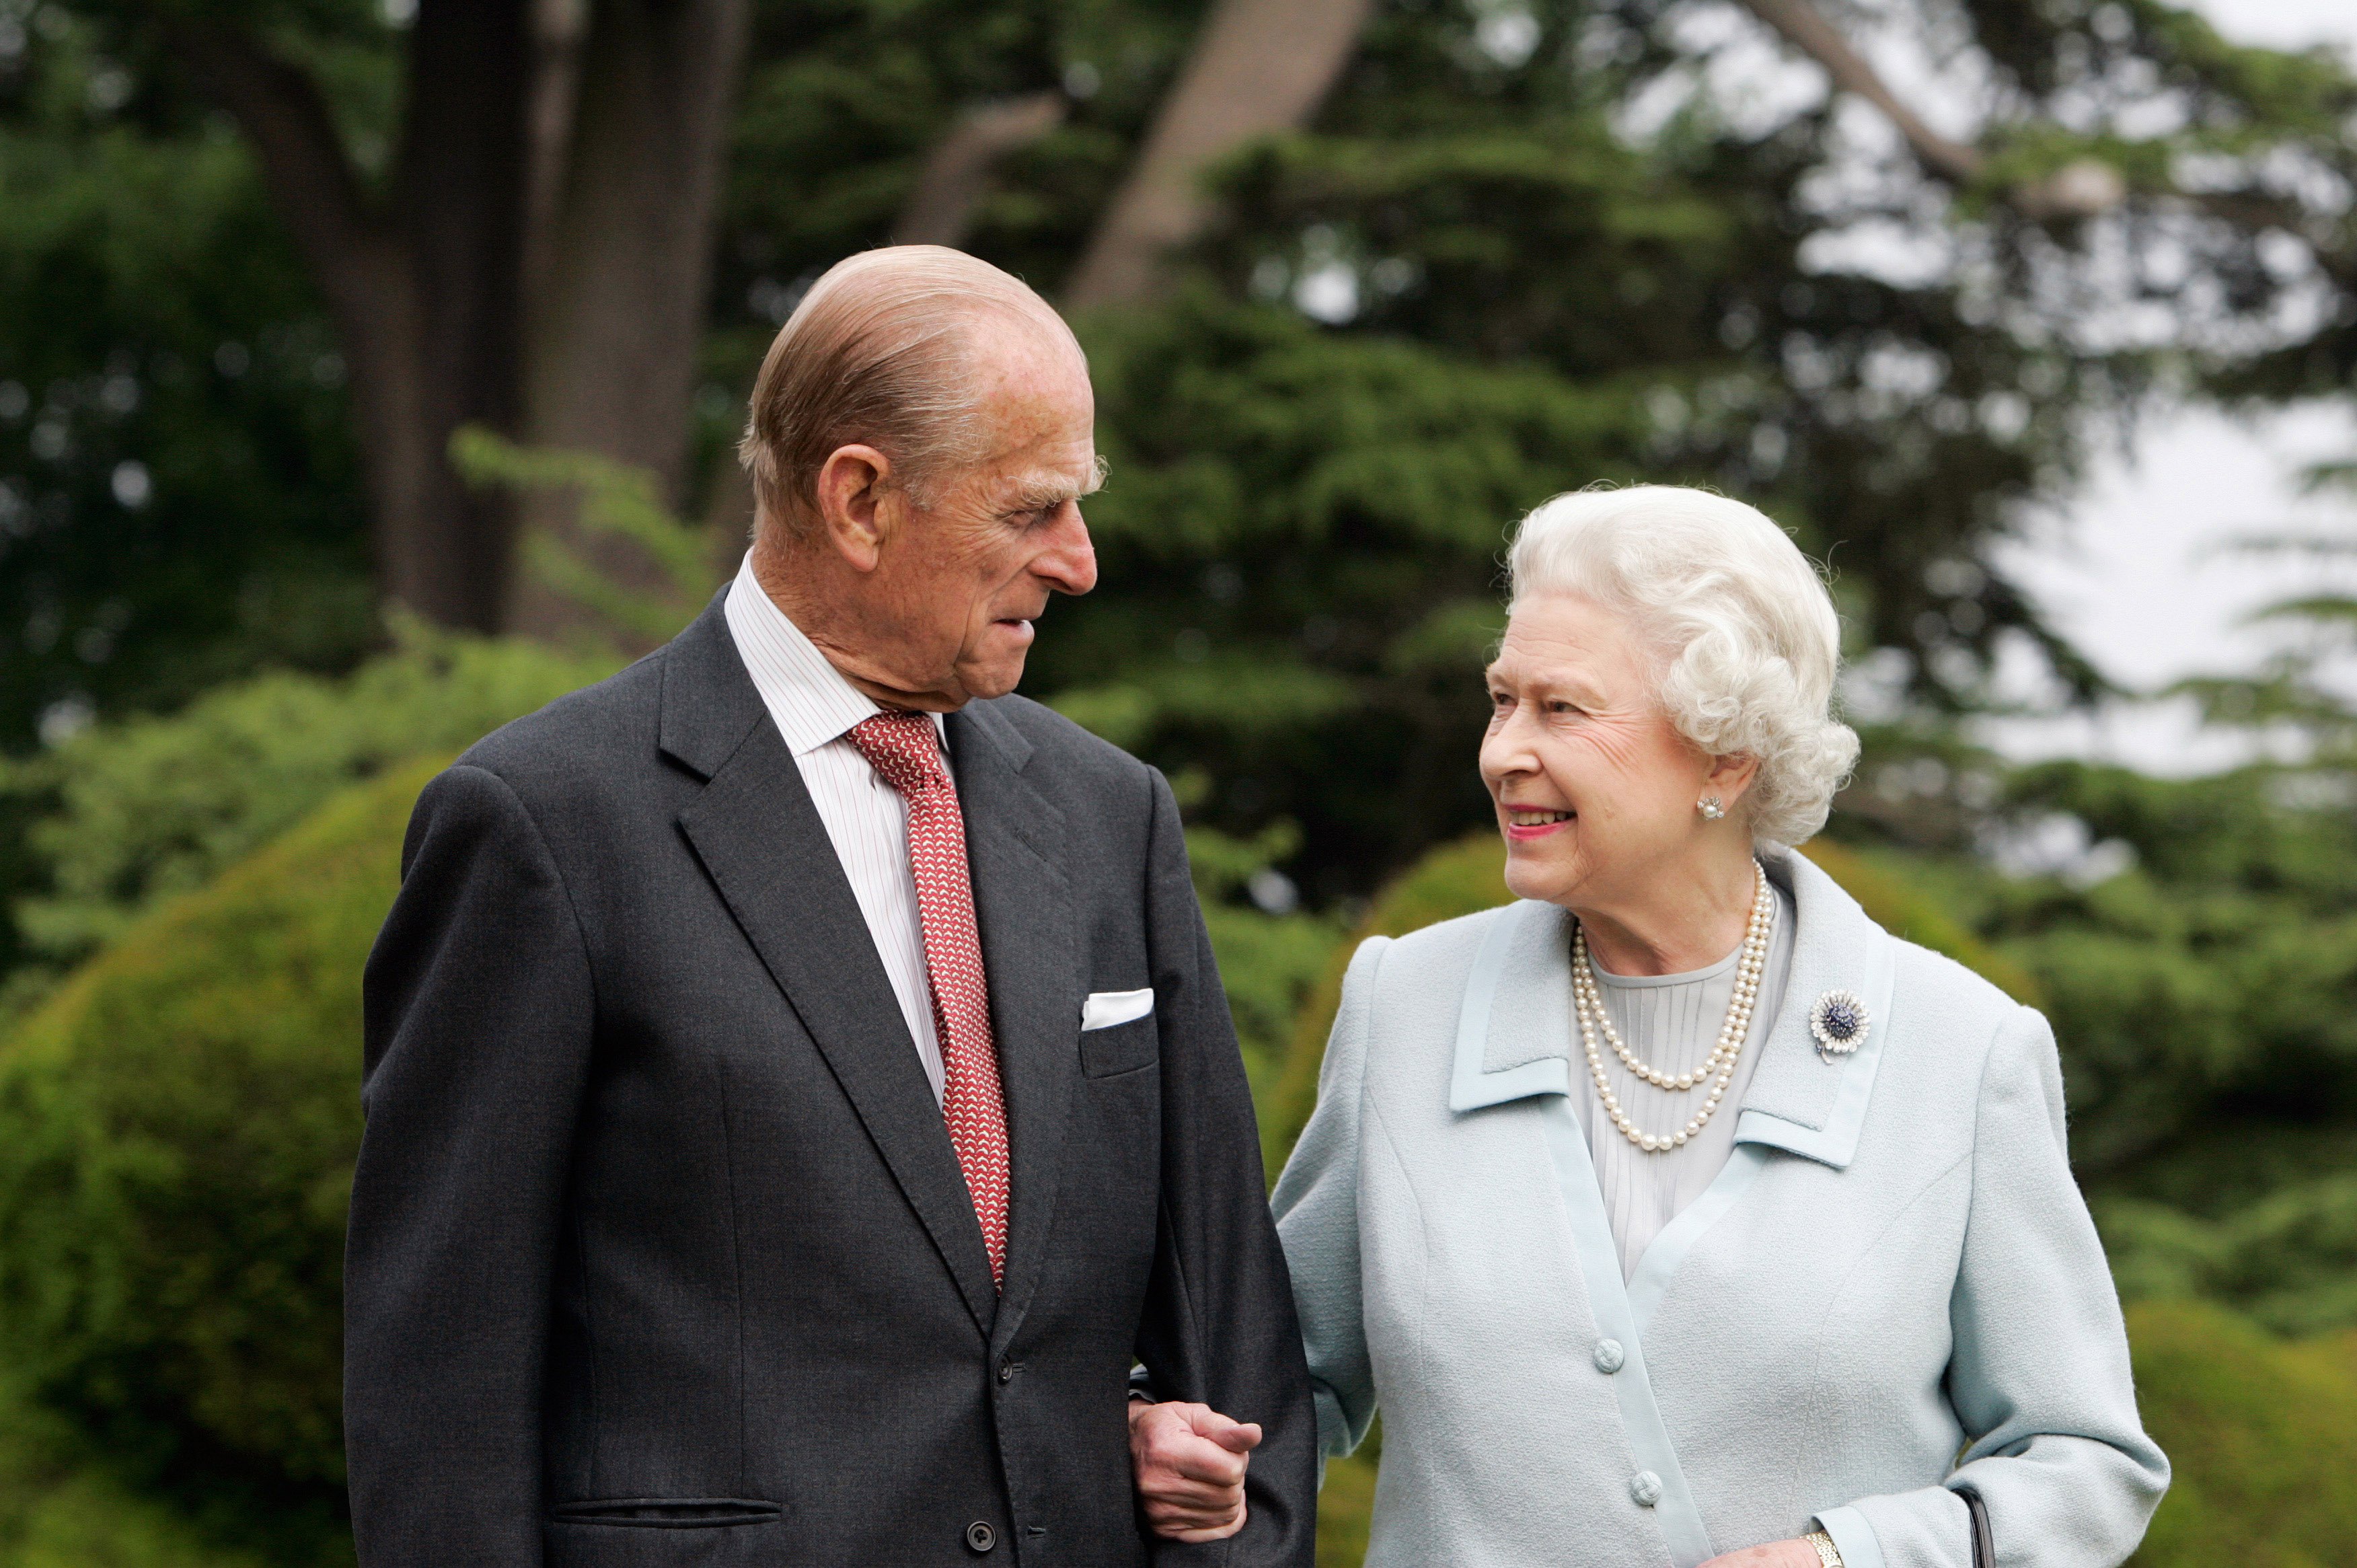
x=1595 y=790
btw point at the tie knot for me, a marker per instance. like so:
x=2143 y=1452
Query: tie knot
x=904 y=749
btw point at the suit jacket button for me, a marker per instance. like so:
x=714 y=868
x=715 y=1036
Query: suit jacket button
x=980 y=1536
x=1609 y=1356
x=1006 y=1371
x=1645 y=1487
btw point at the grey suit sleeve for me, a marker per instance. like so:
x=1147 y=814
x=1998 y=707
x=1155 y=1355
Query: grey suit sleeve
x=1219 y=1327
x=478 y=1016
x=2039 y=1373
x=1317 y=1207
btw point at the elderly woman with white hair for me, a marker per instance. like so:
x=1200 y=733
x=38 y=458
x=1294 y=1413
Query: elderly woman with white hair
x=1677 y=1213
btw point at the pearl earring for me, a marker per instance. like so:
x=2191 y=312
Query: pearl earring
x=1711 y=807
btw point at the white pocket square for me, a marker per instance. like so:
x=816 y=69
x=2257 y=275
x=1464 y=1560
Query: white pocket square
x=1103 y=1009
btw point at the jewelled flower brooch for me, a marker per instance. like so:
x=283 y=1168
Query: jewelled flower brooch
x=1839 y=1022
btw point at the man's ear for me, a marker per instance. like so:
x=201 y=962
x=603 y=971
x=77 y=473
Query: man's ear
x=854 y=503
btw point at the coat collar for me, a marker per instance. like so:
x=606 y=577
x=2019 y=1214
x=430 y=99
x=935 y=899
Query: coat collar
x=1516 y=1029
x=709 y=704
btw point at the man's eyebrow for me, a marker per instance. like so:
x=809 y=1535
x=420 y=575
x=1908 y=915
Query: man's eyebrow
x=1040 y=491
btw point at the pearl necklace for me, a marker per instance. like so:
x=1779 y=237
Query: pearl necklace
x=1719 y=1064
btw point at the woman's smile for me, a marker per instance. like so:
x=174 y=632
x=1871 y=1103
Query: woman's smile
x=1526 y=823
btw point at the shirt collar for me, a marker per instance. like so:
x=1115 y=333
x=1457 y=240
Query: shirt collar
x=805 y=694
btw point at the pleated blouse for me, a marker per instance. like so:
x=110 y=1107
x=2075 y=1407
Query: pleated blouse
x=1673 y=1022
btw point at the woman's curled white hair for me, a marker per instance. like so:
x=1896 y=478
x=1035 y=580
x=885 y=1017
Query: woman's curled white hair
x=1746 y=640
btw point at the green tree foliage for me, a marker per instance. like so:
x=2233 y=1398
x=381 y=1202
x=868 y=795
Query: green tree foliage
x=134 y=812
x=179 y=500
x=2195 y=944
x=1477 y=282
x=616 y=503
x=1300 y=555
x=1524 y=246
x=1268 y=956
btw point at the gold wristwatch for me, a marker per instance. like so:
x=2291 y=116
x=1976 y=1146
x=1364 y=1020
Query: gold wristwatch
x=1828 y=1554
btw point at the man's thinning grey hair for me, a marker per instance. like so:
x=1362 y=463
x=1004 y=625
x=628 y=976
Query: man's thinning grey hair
x=879 y=353
x=1745 y=639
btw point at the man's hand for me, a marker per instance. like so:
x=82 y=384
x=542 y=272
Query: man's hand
x=1190 y=1461
x=1775 y=1555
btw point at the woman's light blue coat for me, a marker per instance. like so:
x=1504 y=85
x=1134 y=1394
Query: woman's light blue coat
x=1892 y=1290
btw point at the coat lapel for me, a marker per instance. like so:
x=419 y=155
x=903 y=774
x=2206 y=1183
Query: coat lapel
x=1798 y=1100
x=1516 y=1034
x=1023 y=903
x=1514 y=1027
x=761 y=840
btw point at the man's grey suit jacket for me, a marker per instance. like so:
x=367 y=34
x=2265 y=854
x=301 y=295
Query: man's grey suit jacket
x=660 y=1253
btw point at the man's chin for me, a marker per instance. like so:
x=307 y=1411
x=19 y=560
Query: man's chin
x=991 y=677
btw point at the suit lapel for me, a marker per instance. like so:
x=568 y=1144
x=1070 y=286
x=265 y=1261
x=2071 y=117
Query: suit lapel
x=1023 y=904
x=761 y=840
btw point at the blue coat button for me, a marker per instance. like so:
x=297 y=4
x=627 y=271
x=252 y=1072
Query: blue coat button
x=1609 y=1356
x=1646 y=1488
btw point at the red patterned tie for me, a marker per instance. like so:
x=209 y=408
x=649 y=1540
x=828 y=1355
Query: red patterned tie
x=905 y=750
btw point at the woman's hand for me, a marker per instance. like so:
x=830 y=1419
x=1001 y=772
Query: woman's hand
x=1775 y=1555
x=1189 y=1461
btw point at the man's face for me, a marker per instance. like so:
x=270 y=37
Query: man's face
x=958 y=582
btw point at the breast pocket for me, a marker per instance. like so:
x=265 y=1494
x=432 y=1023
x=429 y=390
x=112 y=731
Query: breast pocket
x=1120 y=1047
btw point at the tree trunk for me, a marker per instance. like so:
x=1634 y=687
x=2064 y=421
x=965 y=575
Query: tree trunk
x=460 y=202
x=425 y=293
x=619 y=312
x=956 y=175
x=1258 y=67
x=540 y=267
x=2083 y=189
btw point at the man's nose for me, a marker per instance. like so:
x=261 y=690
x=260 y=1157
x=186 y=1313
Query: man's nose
x=1068 y=563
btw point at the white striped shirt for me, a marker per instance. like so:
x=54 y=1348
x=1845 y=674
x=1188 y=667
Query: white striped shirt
x=865 y=818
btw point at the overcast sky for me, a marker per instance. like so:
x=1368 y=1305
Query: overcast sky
x=2139 y=567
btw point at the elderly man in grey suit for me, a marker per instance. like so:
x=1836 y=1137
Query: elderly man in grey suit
x=799 y=1089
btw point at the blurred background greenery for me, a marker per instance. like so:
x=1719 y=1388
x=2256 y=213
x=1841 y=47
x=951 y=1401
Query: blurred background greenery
x=368 y=373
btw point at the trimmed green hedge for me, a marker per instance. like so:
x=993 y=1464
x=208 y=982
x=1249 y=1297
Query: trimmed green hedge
x=177 y=1125
x=2263 y=1433
x=139 y=811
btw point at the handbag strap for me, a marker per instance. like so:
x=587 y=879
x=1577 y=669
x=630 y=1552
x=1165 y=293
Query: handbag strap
x=1984 y=1543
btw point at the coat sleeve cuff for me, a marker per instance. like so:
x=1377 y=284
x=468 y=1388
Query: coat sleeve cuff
x=1927 y=1527
x=1853 y=1538
x=1333 y=1426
